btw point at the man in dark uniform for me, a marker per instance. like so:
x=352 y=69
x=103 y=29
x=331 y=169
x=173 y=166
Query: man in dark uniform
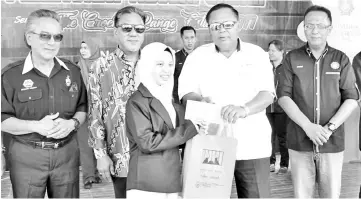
x=188 y=36
x=356 y=64
x=43 y=102
x=317 y=91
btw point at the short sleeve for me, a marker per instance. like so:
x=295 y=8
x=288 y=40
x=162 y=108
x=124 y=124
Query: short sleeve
x=285 y=84
x=7 y=94
x=189 y=78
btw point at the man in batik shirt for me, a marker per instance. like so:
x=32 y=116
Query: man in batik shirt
x=112 y=80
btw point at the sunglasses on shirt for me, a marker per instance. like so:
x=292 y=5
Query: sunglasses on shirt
x=128 y=28
x=47 y=37
x=225 y=25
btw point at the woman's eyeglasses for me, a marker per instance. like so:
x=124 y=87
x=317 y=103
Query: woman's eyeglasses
x=47 y=37
x=128 y=28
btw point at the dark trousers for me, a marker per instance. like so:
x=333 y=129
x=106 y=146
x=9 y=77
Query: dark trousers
x=87 y=158
x=252 y=178
x=120 y=187
x=34 y=171
x=278 y=123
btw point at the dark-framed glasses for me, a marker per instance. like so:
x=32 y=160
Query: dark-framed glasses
x=318 y=26
x=129 y=27
x=47 y=36
x=225 y=25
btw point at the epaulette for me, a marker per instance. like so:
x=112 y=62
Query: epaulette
x=12 y=65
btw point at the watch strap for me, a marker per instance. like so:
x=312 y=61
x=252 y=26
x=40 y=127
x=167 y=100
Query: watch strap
x=77 y=124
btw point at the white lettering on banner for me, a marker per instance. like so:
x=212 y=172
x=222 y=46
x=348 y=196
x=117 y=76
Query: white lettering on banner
x=164 y=24
x=248 y=22
x=64 y=1
x=92 y=21
x=208 y=3
x=69 y=19
x=20 y=19
x=198 y=20
x=194 y=19
x=165 y=2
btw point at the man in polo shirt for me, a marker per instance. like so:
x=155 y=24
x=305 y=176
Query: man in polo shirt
x=356 y=64
x=43 y=102
x=317 y=91
x=238 y=76
x=189 y=39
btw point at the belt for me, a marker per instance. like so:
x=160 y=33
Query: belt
x=45 y=145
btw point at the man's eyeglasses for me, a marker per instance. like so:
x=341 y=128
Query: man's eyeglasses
x=319 y=26
x=47 y=36
x=128 y=28
x=225 y=25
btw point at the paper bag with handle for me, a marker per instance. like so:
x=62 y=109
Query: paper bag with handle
x=209 y=160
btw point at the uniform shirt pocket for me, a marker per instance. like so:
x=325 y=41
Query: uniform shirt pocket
x=69 y=99
x=29 y=101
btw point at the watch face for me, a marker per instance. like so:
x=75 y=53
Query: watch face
x=332 y=127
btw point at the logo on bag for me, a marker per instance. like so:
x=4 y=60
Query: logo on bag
x=212 y=157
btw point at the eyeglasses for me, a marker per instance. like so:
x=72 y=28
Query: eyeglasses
x=225 y=25
x=319 y=26
x=47 y=36
x=128 y=28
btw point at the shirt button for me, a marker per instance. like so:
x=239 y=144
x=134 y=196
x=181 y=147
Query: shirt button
x=29 y=97
x=316 y=109
x=51 y=97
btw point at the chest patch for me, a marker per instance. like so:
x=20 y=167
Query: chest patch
x=28 y=84
x=335 y=65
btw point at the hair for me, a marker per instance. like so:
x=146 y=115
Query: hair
x=321 y=9
x=37 y=14
x=168 y=50
x=128 y=10
x=220 y=6
x=278 y=44
x=184 y=28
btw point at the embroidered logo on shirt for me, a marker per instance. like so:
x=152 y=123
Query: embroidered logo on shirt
x=335 y=65
x=74 y=87
x=299 y=67
x=67 y=81
x=28 y=84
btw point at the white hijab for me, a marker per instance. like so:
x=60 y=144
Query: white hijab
x=146 y=65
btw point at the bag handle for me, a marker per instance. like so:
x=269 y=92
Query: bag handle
x=225 y=130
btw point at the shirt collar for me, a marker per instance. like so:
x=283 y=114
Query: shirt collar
x=238 y=45
x=28 y=65
x=309 y=52
x=122 y=56
x=184 y=52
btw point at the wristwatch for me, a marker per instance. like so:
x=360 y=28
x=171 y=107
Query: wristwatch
x=76 y=124
x=331 y=127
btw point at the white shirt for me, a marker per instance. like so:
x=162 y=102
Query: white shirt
x=235 y=80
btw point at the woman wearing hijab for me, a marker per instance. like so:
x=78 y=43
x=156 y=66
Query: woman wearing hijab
x=89 y=52
x=155 y=128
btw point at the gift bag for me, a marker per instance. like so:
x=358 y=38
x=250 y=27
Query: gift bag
x=208 y=165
